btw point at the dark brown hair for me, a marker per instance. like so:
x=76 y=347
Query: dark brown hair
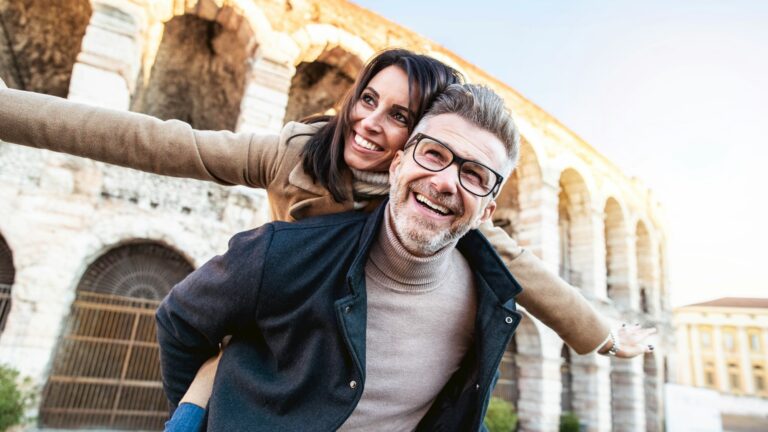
x=323 y=154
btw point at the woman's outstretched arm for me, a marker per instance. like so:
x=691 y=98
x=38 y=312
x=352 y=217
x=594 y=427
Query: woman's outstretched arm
x=548 y=298
x=137 y=141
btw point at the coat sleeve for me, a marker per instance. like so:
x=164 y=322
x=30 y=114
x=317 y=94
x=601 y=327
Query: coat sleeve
x=218 y=299
x=138 y=141
x=550 y=299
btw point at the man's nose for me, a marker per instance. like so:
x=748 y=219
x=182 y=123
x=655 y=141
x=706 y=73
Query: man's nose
x=446 y=181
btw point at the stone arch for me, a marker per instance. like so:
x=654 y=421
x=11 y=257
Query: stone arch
x=575 y=229
x=566 y=379
x=199 y=70
x=40 y=43
x=520 y=201
x=532 y=377
x=663 y=277
x=7 y=277
x=652 y=391
x=105 y=373
x=646 y=263
x=319 y=85
x=617 y=253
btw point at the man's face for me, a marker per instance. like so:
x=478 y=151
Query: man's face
x=431 y=209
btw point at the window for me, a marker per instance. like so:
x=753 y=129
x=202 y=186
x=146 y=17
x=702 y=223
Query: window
x=754 y=341
x=733 y=377
x=729 y=340
x=706 y=338
x=709 y=374
x=759 y=373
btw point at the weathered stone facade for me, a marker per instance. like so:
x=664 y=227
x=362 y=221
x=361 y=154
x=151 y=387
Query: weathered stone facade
x=249 y=65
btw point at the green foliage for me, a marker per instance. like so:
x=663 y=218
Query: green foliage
x=501 y=417
x=15 y=397
x=569 y=422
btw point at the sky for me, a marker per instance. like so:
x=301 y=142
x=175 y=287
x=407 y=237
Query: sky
x=674 y=92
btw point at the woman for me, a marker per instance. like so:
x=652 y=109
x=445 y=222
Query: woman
x=322 y=166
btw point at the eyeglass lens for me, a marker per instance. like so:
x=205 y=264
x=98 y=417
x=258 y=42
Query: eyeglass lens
x=436 y=157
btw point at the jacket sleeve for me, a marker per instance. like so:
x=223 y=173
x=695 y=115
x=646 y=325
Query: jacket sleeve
x=137 y=141
x=550 y=299
x=218 y=299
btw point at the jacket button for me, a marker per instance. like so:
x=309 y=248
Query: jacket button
x=509 y=320
x=477 y=386
x=347 y=309
x=353 y=384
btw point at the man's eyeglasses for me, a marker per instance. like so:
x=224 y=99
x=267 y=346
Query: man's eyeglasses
x=433 y=155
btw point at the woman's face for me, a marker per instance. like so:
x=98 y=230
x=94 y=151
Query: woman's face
x=379 y=122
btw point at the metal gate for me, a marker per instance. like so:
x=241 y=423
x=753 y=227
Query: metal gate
x=106 y=373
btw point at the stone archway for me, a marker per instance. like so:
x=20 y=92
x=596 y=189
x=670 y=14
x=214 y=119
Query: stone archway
x=40 y=42
x=198 y=76
x=319 y=85
x=616 y=254
x=106 y=371
x=566 y=379
x=7 y=276
x=646 y=274
x=575 y=229
x=522 y=196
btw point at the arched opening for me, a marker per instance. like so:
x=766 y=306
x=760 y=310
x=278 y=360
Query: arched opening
x=652 y=393
x=508 y=205
x=198 y=76
x=616 y=254
x=40 y=42
x=645 y=263
x=574 y=229
x=7 y=275
x=663 y=294
x=106 y=373
x=526 y=199
x=566 y=378
x=319 y=86
x=507 y=385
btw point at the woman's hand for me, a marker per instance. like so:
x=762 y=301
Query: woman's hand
x=202 y=386
x=631 y=341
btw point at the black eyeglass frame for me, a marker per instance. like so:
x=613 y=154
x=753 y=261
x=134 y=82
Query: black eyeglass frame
x=457 y=159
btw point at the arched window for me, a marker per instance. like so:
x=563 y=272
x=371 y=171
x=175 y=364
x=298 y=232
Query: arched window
x=198 y=75
x=106 y=373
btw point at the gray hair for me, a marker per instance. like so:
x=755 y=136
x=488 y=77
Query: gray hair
x=483 y=108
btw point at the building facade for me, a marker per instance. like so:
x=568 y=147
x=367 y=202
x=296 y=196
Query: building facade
x=87 y=250
x=723 y=345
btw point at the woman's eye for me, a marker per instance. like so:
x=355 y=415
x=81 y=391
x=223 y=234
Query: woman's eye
x=400 y=118
x=368 y=99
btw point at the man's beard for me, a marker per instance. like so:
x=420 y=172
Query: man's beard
x=421 y=236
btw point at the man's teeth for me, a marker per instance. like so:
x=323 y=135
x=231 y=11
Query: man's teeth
x=364 y=143
x=440 y=209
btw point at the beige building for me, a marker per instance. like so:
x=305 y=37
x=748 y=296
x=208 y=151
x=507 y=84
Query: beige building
x=87 y=249
x=723 y=345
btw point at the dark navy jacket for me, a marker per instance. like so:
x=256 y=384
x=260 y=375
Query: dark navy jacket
x=293 y=297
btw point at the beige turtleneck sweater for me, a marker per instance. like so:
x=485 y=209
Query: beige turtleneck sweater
x=421 y=315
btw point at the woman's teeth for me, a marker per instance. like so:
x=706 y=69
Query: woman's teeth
x=438 y=208
x=364 y=143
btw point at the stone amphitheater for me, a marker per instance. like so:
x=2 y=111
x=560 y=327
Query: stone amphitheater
x=88 y=249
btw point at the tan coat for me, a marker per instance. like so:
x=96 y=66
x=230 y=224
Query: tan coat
x=271 y=162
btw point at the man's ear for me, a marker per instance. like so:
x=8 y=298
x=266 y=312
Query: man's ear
x=396 y=161
x=488 y=211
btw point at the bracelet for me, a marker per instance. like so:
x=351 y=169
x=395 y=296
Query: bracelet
x=615 y=347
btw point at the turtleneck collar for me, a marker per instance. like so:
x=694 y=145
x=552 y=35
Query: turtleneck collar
x=400 y=270
x=368 y=184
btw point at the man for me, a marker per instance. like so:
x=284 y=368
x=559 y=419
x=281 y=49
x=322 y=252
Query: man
x=391 y=321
